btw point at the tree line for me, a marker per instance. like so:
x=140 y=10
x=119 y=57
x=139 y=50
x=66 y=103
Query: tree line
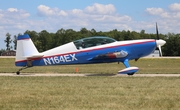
x=44 y=40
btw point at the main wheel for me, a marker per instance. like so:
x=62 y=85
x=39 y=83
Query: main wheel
x=18 y=73
x=130 y=74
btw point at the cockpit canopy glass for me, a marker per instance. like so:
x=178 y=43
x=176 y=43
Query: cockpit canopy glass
x=93 y=41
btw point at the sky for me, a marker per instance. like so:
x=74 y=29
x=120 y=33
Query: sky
x=17 y=16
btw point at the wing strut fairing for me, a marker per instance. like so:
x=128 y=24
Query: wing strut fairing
x=128 y=70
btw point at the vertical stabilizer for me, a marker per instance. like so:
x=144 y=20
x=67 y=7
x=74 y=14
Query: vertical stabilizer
x=25 y=49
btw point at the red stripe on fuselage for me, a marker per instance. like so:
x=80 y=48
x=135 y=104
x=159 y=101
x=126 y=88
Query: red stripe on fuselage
x=24 y=39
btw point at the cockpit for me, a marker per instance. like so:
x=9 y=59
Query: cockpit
x=93 y=41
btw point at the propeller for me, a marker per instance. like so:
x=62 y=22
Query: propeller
x=159 y=42
x=157 y=33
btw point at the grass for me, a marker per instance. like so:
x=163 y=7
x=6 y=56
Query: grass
x=92 y=92
x=97 y=92
x=146 y=65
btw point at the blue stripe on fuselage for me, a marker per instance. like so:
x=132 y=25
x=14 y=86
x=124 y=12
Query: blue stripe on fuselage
x=135 y=50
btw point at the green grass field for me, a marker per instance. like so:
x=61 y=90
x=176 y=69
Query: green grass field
x=92 y=92
x=89 y=93
x=146 y=66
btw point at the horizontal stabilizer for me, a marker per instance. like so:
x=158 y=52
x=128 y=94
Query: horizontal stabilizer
x=34 y=56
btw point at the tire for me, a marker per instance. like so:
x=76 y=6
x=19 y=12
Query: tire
x=18 y=73
x=130 y=74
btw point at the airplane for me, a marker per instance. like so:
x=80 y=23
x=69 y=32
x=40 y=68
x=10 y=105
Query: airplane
x=90 y=50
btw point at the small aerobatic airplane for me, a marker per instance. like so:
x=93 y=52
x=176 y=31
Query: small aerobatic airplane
x=97 y=49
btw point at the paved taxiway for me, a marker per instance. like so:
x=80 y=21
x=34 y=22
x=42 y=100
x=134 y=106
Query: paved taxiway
x=85 y=75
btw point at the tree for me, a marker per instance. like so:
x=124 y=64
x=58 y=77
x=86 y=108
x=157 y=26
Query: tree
x=8 y=41
x=93 y=32
x=85 y=32
x=45 y=40
x=134 y=35
x=70 y=35
x=172 y=46
x=59 y=38
x=1 y=51
x=115 y=34
x=15 y=42
x=143 y=35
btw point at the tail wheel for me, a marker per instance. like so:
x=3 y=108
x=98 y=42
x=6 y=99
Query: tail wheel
x=130 y=74
x=18 y=72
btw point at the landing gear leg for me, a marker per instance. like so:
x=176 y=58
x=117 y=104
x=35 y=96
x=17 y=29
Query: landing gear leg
x=18 y=72
x=29 y=64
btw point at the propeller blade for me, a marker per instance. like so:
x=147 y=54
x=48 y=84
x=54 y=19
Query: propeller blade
x=160 y=51
x=157 y=33
x=159 y=42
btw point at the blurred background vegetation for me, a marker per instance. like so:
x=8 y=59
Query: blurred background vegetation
x=44 y=40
